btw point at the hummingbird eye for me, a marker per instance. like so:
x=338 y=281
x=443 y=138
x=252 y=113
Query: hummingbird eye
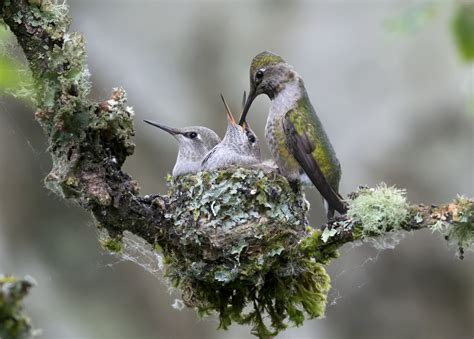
x=259 y=75
x=191 y=135
x=251 y=138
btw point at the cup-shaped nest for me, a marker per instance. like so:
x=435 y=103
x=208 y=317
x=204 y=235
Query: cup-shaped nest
x=236 y=241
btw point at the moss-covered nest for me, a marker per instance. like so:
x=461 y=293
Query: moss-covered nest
x=235 y=248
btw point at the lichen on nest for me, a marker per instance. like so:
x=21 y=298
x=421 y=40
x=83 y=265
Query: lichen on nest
x=235 y=248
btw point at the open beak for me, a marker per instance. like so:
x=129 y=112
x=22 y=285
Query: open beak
x=248 y=103
x=230 y=117
x=170 y=130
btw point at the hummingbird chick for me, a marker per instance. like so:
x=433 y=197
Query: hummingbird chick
x=294 y=133
x=194 y=143
x=238 y=148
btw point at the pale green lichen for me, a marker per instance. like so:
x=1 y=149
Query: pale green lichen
x=108 y=131
x=52 y=15
x=377 y=211
x=456 y=223
x=462 y=229
x=13 y=323
x=440 y=227
x=240 y=247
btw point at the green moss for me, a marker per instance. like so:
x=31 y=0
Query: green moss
x=13 y=323
x=114 y=245
x=236 y=249
x=463 y=29
x=377 y=211
x=315 y=245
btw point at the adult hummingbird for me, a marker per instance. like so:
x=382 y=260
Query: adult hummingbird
x=194 y=143
x=238 y=148
x=294 y=133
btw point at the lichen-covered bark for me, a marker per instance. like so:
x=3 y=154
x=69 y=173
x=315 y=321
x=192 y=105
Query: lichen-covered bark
x=88 y=141
x=455 y=220
x=236 y=242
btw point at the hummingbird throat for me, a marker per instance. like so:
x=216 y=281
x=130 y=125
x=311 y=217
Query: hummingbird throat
x=286 y=98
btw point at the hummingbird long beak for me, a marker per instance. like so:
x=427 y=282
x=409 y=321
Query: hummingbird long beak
x=170 y=130
x=248 y=103
x=230 y=117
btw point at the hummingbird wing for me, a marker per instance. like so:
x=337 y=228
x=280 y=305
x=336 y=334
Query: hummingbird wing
x=303 y=147
x=207 y=157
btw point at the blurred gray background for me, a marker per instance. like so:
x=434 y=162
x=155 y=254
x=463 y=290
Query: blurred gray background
x=393 y=95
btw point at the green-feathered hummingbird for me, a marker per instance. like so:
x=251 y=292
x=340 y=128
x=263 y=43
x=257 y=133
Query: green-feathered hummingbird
x=294 y=133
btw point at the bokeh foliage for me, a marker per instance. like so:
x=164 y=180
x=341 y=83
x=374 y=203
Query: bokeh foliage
x=463 y=28
x=15 y=77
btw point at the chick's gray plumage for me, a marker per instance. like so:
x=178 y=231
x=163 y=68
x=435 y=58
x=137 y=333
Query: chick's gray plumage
x=238 y=148
x=235 y=150
x=194 y=143
x=192 y=151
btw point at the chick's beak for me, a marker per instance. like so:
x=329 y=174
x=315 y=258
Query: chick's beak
x=230 y=117
x=170 y=130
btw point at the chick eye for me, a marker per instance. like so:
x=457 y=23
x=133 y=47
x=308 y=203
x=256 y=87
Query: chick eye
x=251 y=138
x=192 y=135
x=259 y=75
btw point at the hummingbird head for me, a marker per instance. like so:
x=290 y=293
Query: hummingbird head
x=194 y=142
x=240 y=138
x=268 y=75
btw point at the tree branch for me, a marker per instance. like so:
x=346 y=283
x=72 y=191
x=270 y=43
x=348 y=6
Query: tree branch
x=236 y=242
x=453 y=220
x=88 y=141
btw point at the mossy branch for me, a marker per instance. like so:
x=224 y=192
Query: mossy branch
x=384 y=210
x=235 y=242
x=88 y=141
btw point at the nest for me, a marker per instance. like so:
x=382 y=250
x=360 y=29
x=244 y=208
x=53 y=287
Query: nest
x=237 y=247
